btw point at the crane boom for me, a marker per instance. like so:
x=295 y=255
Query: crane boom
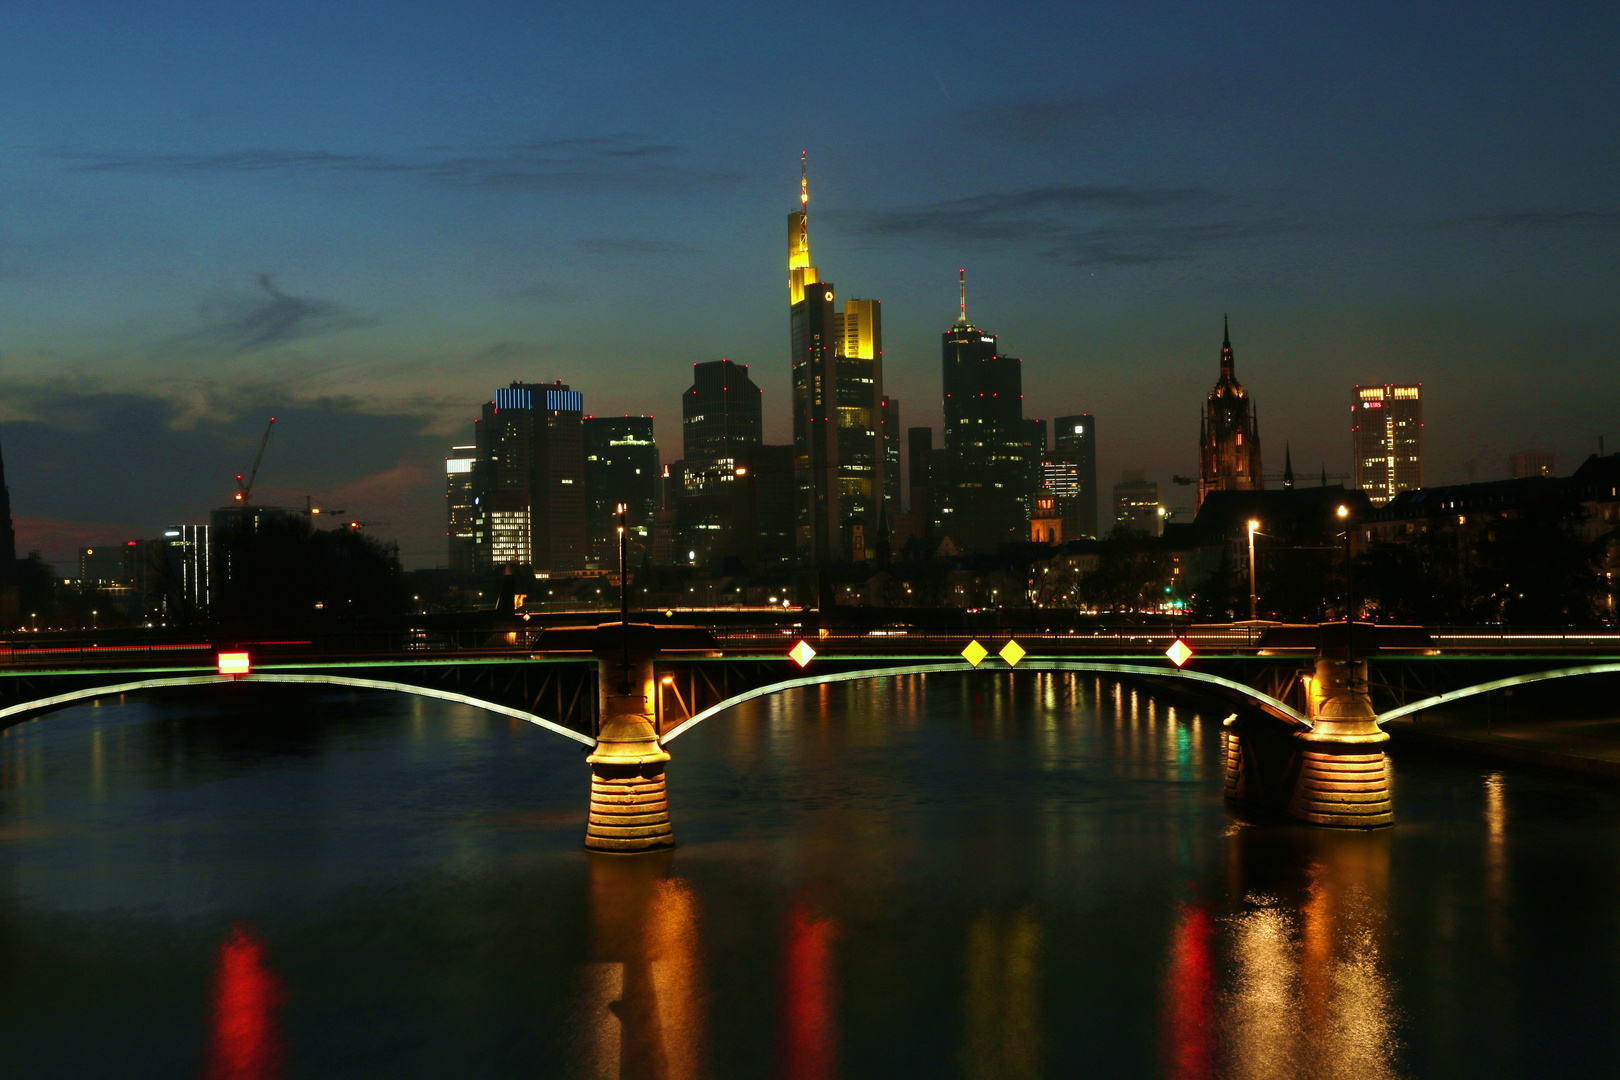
x=246 y=490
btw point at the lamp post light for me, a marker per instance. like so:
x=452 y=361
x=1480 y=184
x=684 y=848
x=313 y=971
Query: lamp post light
x=1349 y=592
x=1254 y=598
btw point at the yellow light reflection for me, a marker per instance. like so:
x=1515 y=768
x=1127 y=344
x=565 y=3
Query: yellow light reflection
x=1002 y=1038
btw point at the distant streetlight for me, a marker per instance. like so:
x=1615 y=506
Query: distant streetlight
x=1254 y=598
x=93 y=619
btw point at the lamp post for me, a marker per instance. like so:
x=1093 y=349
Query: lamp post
x=1349 y=592
x=1254 y=598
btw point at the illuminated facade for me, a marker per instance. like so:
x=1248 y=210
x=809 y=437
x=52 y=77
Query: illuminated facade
x=1386 y=436
x=1076 y=442
x=891 y=455
x=530 y=478
x=721 y=421
x=985 y=476
x=1229 y=434
x=460 y=507
x=189 y=556
x=837 y=380
x=621 y=466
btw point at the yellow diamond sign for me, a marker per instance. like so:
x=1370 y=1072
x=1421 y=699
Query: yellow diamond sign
x=1178 y=652
x=1012 y=652
x=974 y=653
x=802 y=653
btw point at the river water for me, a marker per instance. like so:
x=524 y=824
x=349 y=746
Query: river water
x=976 y=875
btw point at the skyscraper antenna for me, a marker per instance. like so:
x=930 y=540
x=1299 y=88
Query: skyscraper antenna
x=804 y=180
x=961 y=276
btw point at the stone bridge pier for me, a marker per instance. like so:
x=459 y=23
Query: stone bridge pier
x=1333 y=774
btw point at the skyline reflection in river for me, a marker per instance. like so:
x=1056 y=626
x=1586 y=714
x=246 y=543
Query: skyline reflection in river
x=984 y=875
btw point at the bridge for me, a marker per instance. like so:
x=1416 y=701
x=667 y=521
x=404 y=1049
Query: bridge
x=1304 y=736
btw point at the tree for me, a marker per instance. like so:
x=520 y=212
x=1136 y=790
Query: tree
x=284 y=576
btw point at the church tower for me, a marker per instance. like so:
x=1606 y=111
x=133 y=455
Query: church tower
x=1229 y=437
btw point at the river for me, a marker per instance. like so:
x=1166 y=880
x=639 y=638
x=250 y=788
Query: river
x=980 y=875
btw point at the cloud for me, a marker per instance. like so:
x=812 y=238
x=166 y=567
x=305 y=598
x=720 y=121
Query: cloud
x=633 y=246
x=1076 y=224
x=236 y=325
x=1539 y=219
x=544 y=165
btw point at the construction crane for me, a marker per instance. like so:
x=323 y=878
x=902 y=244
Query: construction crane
x=245 y=491
x=310 y=509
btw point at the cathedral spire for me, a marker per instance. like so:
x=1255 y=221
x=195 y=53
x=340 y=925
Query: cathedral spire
x=1226 y=349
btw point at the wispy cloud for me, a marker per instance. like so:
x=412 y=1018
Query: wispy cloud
x=236 y=325
x=1539 y=219
x=630 y=245
x=544 y=165
x=1077 y=224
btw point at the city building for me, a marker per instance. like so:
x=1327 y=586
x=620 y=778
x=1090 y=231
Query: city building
x=721 y=419
x=1136 y=504
x=891 y=455
x=982 y=492
x=1229 y=434
x=1046 y=521
x=1531 y=463
x=1386 y=436
x=1075 y=441
x=8 y=534
x=531 y=478
x=460 y=494
x=103 y=565
x=837 y=381
x=189 y=561
x=621 y=467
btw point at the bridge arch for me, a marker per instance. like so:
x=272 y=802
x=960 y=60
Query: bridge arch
x=88 y=693
x=1498 y=684
x=1278 y=709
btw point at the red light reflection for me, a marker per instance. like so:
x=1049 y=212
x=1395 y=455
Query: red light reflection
x=246 y=1043
x=809 y=1036
x=1189 y=998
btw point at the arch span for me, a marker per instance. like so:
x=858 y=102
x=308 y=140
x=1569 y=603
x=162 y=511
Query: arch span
x=57 y=700
x=1278 y=709
x=1498 y=684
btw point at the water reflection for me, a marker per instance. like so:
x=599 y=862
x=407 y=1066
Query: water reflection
x=245 y=1041
x=1310 y=996
x=1001 y=1037
x=641 y=1004
x=809 y=1040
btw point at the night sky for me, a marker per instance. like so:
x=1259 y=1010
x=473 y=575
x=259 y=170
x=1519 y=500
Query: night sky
x=363 y=218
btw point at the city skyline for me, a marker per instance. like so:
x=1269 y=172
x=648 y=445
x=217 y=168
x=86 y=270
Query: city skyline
x=391 y=272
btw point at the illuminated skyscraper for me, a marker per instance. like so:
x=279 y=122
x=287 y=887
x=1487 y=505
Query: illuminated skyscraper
x=531 y=478
x=1386 y=436
x=1076 y=439
x=891 y=454
x=983 y=489
x=837 y=378
x=721 y=420
x=1229 y=434
x=621 y=466
x=461 y=509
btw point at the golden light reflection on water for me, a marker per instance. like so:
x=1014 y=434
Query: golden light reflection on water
x=640 y=1002
x=1310 y=994
x=1001 y=1036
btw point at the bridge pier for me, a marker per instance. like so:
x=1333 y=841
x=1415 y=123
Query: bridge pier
x=1335 y=774
x=1343 y=778
x=629 y=802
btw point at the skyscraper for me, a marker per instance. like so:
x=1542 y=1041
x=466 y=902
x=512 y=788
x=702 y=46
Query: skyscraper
x=920 y=450
x=837 y=379
x=621 y=466
x=531 y=478
x=461 y=507
x=1076 y=439
x=721 y=420
x=1386 y=436
x=982 y=497
x=1136 y=503
x=891 y=455
x=8 y=534
x=1229 y=434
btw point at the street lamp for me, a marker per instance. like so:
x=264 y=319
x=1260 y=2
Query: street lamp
x=1349 y=595
x=1254 y=599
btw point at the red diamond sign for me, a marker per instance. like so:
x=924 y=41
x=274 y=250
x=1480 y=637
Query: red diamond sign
x=1178 y=652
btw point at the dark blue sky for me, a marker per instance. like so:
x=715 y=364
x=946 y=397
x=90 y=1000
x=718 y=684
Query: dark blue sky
x=363 y=218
